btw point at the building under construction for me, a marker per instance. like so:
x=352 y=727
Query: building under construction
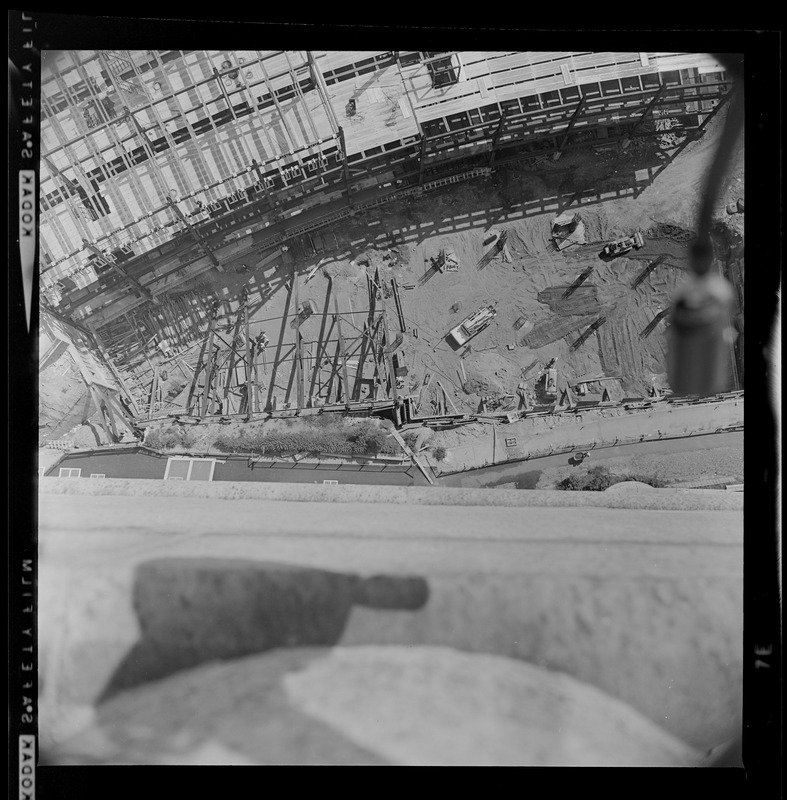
x=160 y=166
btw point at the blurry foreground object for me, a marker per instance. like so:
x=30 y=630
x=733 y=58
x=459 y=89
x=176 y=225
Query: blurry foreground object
x=699 y=337
x=701 y=330
x=373 y=705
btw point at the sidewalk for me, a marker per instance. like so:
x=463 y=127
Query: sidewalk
x=489 y=447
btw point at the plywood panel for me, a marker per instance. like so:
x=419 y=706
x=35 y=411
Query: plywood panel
x=379 y=117
x=331 y=60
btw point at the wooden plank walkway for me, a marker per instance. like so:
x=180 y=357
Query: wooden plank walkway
x=378 y=116
x=504 y=76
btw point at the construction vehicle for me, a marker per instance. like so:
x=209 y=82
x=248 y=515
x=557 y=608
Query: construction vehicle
x=567 y=229
x=620 y=246
x=550 y=379
x=446 y=261
x=473 y=324
x=306 y=309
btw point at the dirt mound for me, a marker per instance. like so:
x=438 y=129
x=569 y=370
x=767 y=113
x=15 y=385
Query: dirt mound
x=489 y=373
x=351 y=271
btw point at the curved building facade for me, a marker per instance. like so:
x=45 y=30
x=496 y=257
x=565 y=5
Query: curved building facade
x=157 y=165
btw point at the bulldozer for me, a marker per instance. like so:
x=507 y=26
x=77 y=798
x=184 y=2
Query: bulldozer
x=620 y=246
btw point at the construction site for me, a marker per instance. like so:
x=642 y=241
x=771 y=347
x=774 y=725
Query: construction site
x=440 y=240
x=420 y=280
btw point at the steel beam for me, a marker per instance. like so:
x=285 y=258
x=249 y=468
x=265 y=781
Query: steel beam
x=343 y=146
x=110 y=260
x=265 y=77
x=421 y=157
x=220 y=81
x=322 y=89
x=195 y=233
x=296 y=85
x=573 y=121
x=496 y=136
x=648 y=109
x=713 y=113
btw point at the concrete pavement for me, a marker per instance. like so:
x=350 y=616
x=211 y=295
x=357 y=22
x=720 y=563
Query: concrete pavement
x=530 y=469
x=642 y=605
x=466 y=450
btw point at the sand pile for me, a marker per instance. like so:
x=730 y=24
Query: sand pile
x=488 y=373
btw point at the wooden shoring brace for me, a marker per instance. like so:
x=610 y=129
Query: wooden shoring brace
x=200 y=365
x=105 y=403
x=256 y=388
x=398 y=301
x=112 y=402
x=388 y=355
x=322 y=346
x=213 y=383
x=209 y=368
x=337 y=361
x=334 y=373
x=445 y=395
x=111 y=434
x=250 y=387
x=232 y=353
x=346 y=384
x=415 y=459
x=108 y=361
x=298 y=353
x=303 y=369
x=153 y=388
x=377 y=348
x=367 y=340
x=86 y=410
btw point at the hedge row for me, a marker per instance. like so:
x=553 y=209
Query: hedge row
x=366 y=438
x=598 y=479
x=363 y=439
x=169 y=438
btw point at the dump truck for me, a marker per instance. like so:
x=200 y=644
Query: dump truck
x=473 y=324
x=620 y=246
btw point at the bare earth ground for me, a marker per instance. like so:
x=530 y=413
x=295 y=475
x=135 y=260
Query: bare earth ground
x=399 y=240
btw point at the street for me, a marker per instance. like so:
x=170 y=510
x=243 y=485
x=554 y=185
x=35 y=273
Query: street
x=529 y=471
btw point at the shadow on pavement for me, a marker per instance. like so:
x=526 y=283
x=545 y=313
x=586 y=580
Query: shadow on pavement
x=196 y=610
